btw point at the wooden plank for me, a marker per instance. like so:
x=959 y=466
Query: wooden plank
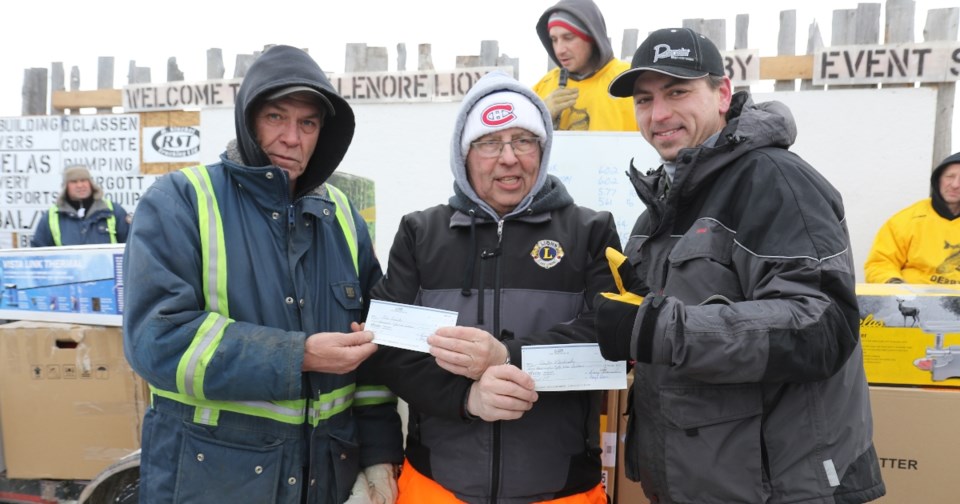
x=489 y=52
x=34 y=92
x=57 y=79
x=814 y=44
x=942 y=25
x=356 y=58
x=899 y=21
x=377 y=59
x=215 y=68
x=401 y=57
x=898 y=27
x=787 y=45
x=628 y=45
x=740 y=41
x=424 y=57
x=786 y=67
x=74 y=100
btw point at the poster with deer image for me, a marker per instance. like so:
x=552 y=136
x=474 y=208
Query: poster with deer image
x=910 y=334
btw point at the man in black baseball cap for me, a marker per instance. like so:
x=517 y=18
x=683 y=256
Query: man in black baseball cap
x=744 y=312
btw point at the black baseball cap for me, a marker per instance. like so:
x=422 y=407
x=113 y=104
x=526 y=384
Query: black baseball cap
x=678 y=52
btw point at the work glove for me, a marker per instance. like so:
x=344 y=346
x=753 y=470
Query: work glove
x=561 y=99
x=376 y=484
x=382 y=479
x=617 y=311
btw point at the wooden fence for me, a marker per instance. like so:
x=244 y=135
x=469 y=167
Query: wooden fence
x=788 y=70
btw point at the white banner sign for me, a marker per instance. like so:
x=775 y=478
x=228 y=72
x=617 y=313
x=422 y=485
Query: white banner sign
x=35 y=149
x=368 y=87
x=742 y=66
x=887 y=64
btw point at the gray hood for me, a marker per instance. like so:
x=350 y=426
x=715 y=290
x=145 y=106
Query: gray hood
x=280 y=67
x=588 y=13
x=491 y=83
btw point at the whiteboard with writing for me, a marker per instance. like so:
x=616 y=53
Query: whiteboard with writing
x=873 y=145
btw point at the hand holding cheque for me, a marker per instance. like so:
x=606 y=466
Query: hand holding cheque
x=469 y=351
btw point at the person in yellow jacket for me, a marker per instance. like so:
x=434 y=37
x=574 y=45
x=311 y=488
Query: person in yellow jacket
x=921 y=243
x=575 y=36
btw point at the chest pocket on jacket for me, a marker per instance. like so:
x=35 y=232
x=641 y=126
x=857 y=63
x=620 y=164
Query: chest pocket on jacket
x=348 y=295
x=701 y=264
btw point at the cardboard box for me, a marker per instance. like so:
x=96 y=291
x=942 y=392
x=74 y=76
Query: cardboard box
x=910 y=334
x=69 y=402
x=913 y=434
x=80 y=284
x=627 y=491
x=608 y=439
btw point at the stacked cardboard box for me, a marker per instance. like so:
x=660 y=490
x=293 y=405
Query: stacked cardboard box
x=70 y=405
x=913 y=434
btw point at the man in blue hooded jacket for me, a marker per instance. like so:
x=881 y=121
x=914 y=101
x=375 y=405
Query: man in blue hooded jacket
x=248 y=279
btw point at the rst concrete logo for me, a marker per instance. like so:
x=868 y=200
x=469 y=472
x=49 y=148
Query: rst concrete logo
x=171 y=144
x=177 y=141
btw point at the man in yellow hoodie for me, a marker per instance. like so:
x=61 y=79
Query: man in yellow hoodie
x=921 y=243
x=575 y=36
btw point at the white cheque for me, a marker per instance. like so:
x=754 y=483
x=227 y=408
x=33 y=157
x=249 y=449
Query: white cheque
x=572 y=367
x=406 y=326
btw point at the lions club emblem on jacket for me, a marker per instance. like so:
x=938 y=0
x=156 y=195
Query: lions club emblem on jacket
x=547 y=253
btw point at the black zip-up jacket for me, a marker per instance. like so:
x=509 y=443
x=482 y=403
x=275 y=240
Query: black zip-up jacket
x=451 y=257
x=749 y=380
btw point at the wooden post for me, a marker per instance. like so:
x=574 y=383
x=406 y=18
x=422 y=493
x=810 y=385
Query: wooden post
x=74 y=78
x=377 y=59
x=174 y=74
x=356 y=58
x=741 y=41
x=242 y=65
x=105 y=78
x=898 y=27
x=628 y=45
x=814 y=44
x=787 y=45
x=34 y=92
x=942 y=25
x=489 y=51
x=57 y=79
x=401 y=57
x=215 y=69
x=424 y=58
x=713 y=29
x=514 y=63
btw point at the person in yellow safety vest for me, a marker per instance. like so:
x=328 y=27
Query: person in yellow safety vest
x=82 y=215
x=921 y=243
x=574 y=35
x=247 y=283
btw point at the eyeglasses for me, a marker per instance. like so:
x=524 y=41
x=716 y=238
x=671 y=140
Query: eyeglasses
x=492 y=149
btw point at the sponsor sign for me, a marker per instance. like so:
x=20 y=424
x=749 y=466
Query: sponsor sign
x=35 y=149
x=887 y=64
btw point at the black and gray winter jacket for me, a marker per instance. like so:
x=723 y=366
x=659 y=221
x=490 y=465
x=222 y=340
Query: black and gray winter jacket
x=528 y=277
x=749 y=383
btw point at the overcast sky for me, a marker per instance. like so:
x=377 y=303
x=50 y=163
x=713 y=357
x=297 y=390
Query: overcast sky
x=75 y=33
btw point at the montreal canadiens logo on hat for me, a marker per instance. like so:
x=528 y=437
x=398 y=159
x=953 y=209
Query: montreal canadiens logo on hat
x=497 y=115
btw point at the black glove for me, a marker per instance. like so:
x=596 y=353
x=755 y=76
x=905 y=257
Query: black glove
x=616 y=312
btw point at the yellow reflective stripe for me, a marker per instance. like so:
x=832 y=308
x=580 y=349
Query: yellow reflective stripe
x=211 y=241
x=53 y=218
x=111 y=222
x=331 y=403
x=347 y=224
x=193 y=364
x=370 y=395
x=289 y=412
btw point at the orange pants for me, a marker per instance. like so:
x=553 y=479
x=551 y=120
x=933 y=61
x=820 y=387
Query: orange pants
x=416 y=488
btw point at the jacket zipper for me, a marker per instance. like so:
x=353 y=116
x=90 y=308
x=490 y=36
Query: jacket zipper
x=497 y=453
